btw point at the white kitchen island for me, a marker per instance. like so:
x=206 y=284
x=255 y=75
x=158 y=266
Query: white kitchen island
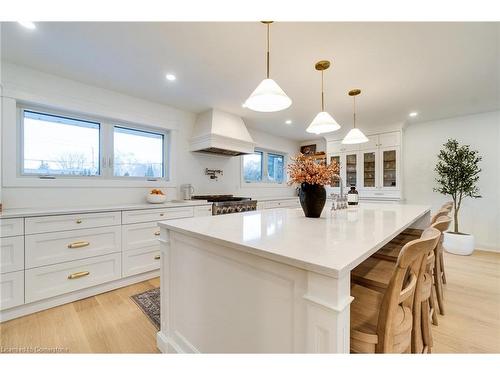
x=269 y=281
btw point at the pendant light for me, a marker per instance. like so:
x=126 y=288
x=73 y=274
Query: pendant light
x=323 y=122
x=355 y=135
x=268 y=96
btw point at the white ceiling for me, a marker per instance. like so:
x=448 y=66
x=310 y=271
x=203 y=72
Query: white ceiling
x=437 y=69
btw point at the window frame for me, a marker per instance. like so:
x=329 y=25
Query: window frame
x=20 y=159
x=265 y=182
x=106 y=176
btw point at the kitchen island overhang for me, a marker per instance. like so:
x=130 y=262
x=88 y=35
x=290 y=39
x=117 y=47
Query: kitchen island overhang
x=269 y=281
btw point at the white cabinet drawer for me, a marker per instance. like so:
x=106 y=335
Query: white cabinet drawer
x=50 y=248
x=137 y=236
x=203 y=211
x=11 y=289
x=282 y=203
x=50 y=281
x=11 y=254
x=58 y=223
x=156 y=214
x=11 y=227
x=389 y=139
x=140 y=260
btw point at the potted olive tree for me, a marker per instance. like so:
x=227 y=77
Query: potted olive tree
x=458 y=174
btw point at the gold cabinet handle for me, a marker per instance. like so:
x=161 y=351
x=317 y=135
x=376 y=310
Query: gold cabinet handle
x=157 y=233
x=157 y=257
x=77 y=275
x=76 y=245
x=79 y=221
x=162 y=214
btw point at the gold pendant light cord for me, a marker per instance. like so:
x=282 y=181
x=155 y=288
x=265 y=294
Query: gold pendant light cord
x=268 y=51
x=322 y=94
x=354 y=110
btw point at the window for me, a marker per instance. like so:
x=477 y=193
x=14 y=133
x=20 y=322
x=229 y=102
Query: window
x=138 y=153
x=263 y=167
x=275 y=168
x=55 y=145
x=252 y=167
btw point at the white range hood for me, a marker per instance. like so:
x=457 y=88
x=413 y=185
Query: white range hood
x=221 y=133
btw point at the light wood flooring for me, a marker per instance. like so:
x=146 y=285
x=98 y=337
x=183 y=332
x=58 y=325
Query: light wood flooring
x=112 y=323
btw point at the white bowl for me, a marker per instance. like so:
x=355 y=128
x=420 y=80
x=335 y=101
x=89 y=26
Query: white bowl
x=156 y=198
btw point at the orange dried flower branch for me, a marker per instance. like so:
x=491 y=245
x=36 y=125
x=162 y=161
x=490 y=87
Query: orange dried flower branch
x=305 y=169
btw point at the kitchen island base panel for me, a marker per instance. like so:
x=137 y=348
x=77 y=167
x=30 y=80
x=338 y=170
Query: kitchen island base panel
x=218 y=300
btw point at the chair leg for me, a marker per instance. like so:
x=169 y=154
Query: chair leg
x=426 y=326
x=433 y=307
x=416 y=331
x=438 y=282
x=443 y=273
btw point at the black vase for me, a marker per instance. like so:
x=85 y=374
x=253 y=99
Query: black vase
x=312 y=199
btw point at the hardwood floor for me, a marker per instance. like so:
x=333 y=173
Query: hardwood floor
x=112 y=323
x=107 y=323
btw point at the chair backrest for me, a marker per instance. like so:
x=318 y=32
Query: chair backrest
x=442 y=224
x=400 y=291
x=441 y=212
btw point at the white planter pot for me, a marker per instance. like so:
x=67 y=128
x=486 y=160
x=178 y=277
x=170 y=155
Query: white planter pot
x=460 y=244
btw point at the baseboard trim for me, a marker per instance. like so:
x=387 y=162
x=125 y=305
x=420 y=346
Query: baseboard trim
x=489 y=250
x=33 y=307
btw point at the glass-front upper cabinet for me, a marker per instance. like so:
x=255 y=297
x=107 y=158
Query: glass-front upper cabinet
x=351 y=165
x=369 y=169
x=390 y=167
x=336 y=159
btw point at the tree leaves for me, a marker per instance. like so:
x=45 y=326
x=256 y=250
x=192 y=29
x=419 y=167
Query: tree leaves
x=458 y=173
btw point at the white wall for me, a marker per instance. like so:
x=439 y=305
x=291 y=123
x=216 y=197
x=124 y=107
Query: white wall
x=422 y=143
x=30 y=86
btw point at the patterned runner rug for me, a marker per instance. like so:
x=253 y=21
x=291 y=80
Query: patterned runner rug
x=149 y=303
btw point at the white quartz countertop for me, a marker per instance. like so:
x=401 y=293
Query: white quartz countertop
x=332 y=244
x=29 y=212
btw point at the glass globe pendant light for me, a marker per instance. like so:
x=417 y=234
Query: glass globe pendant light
x=268 y=96
x=355 y=135
x=323 y=122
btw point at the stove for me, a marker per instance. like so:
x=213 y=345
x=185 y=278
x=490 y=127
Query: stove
x=228 y=204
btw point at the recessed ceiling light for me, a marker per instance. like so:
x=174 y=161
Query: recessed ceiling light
x=413 y=114
x=170 y=77
x=288 y=122
x=28 y=24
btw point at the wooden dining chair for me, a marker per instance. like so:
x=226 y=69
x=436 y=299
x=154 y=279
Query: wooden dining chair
x=382 y=318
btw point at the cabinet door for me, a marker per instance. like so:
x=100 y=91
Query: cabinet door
x=351 y=169
x=335 y=158
x=389 y=139
x=371 y=144
x=369 y=160
x=389 y=157
x=333 y=147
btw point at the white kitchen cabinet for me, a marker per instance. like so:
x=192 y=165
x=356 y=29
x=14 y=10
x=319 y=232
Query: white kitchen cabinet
x=141 y=260
x=57 y=223
x=11 y=254
x=203 y=211
x=156 y=214
x=56 y=247
x=375 y=168
x=48 y=281
x=11 y=227
x=11 y=289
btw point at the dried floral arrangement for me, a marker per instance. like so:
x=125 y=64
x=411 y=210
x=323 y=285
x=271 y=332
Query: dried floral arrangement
x=306 y=169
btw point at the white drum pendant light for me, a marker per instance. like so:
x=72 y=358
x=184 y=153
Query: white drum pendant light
x=355 y=135
x=268 y=96
x=323 y=122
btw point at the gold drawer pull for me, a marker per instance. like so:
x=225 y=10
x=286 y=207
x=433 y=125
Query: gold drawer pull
x=76 y=245
x=77 y=275
x=79 y=221
x=157 y=233
x=162 y=214
x=157 y=257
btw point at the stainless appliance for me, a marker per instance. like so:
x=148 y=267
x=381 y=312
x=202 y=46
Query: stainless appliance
x=228 y=204
x=187 y=191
